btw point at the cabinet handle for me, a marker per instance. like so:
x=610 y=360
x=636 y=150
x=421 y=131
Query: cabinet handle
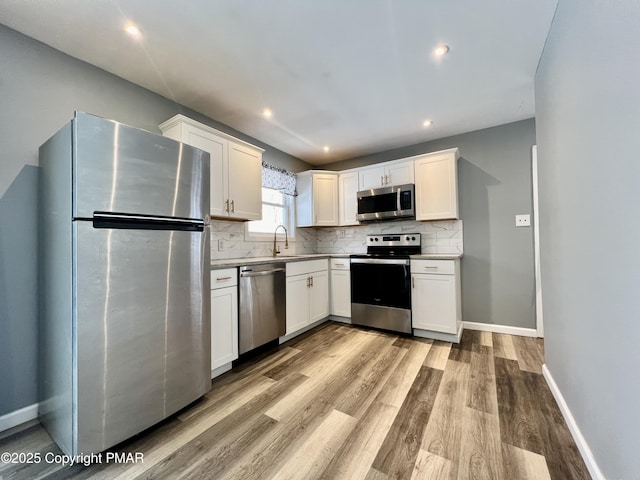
x=226 y=205
x=220 y=279
x=386 y=179
x=339 y=264
x=308 y=282
x=233 y=206
x=428 y=266
x=312 y=281
x=381 y=179
x=413 y=282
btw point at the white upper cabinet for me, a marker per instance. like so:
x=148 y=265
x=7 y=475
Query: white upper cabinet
x=236 y=168
x=347 y=196
x=317 y=200
x=386 y=174
x=436 y=180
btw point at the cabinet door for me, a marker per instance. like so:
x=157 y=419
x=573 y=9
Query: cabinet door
x=371 y=177
x=319 y=296
x=325 y=199
x=297 y=303
x=341 y=293
x=347 y=195
x=436 y=187
x=245 y=182
x=400 y=173
x=433 y=303
x=217 y=148
x=224 y=326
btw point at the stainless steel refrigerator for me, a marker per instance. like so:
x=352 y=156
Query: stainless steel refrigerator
x=124 y=281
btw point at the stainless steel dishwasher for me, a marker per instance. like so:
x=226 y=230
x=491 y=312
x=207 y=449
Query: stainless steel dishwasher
x=262 y=313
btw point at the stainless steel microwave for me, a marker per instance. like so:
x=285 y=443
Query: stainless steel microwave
x=388 y=203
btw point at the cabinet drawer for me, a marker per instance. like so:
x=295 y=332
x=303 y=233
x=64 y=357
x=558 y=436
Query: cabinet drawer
x=308 y=266
x=226 y=277
x=438 y=267
x=340 y=264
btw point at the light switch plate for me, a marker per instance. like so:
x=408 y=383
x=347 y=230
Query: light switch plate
x=220 y=245
x=523 y=220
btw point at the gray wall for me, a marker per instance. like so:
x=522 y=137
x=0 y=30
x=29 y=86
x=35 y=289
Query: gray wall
x=587 y=104
x=39 y=90
x=494 y=182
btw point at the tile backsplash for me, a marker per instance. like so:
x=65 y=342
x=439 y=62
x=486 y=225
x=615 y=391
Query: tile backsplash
x=236 y=245
x=437 y=237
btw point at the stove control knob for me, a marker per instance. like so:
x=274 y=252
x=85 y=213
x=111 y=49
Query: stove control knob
x=371 y=239
x=413 y=238
x=407 y=238
x=377 y=239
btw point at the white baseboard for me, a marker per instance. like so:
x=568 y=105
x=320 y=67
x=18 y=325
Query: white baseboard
x=490 y=327
x=18 y=417
x=583 y=447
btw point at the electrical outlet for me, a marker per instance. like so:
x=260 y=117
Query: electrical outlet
x=523 y=220
x=220 y=245
x=341 y=234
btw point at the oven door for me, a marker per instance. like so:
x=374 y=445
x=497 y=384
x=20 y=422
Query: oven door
x=381 y=293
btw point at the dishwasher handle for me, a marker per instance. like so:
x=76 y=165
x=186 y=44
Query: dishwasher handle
x=251 y=273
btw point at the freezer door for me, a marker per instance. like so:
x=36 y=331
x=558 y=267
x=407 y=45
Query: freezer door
x=118 y=168
x=142 y=323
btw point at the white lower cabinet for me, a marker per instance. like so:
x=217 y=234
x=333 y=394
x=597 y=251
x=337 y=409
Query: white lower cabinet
x=435 y=295
x=307 y=293
x=224 y=319
x=340 y=287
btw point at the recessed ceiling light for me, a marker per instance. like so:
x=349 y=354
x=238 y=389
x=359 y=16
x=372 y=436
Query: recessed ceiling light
x=427 y=123
x=266 y=113
x=132 y=30
x=326 y=149
x=441 y=50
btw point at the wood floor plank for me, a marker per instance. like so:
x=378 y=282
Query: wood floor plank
x=339 y=371
x=481 y=451
x=360 y=394
x=374 y=474
x=226 y=438
x=398 y=453
x=399 y=384
x=486 y=339
x=523 y=464
x=516 y=407
x=528 y=354
x=356 y=456
x=481 y=393
x=432 y=467
x=461 y=352
x=561 y=453
x=443 y=434
x=319 y=448
x=503 y=346
x=438 y=355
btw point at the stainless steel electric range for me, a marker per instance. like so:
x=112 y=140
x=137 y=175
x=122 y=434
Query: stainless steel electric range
x=381 y=282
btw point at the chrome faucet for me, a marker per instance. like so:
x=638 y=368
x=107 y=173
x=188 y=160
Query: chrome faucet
x=286 y=240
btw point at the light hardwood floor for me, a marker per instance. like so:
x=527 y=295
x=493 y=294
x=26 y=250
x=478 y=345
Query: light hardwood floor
x=347 y=403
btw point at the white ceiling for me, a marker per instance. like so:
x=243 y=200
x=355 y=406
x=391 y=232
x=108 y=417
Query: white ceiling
x=357 y=75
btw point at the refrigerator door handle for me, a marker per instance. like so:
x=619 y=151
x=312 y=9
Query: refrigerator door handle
x=145 y=222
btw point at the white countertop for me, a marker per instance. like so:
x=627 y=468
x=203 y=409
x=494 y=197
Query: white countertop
x=437 y=256
x=237 y=262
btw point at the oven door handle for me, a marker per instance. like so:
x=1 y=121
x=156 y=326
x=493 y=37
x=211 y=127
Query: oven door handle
x=381 y=261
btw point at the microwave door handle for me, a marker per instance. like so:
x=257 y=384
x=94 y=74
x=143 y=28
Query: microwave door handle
x=398 y=200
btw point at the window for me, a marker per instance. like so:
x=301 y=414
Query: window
x=277 y=209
